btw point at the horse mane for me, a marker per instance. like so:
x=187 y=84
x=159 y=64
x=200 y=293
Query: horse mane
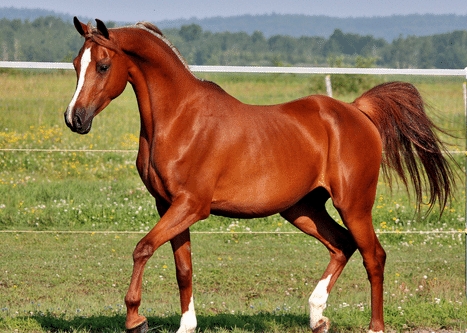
x=150 y=26
x=155 y=31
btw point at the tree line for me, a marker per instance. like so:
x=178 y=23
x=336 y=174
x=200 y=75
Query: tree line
x=51 y=39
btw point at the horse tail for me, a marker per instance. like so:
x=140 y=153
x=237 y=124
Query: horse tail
x=410 y=143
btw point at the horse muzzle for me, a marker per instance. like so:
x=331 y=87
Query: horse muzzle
x=80 y=121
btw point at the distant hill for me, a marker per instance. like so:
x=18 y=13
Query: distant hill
x=388 y=27
x=30 y=38
x=23 y=14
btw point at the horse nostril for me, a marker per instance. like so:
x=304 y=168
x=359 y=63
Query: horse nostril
x=77 y=122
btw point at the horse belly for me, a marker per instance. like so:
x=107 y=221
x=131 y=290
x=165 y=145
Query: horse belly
x=253 y=195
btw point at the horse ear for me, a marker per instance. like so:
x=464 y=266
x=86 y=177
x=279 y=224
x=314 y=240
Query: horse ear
x=80 y=27
x=102 y=28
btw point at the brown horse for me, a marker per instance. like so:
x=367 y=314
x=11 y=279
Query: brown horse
x=202 y=152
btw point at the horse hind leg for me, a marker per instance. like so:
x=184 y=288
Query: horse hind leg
x=310 y=216
x=374 y=259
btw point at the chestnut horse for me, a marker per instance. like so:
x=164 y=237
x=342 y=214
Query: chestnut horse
x=202 y=152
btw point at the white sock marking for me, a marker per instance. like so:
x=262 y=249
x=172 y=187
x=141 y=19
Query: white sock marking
x=188 y=322
x=85 y=60
x=318 y=300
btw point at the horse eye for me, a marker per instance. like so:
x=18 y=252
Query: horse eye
x=102 y=68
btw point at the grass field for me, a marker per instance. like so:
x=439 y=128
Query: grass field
x=55 y=281
x=243 y=283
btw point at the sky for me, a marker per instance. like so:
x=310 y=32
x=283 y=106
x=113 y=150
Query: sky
x=160 y=10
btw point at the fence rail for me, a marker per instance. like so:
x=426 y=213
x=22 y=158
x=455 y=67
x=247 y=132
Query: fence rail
x=261 y=69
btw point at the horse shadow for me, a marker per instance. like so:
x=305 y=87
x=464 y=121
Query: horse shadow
x=261 y=322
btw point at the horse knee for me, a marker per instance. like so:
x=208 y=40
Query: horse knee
x=143 y=251
x=381 y=255
x=184 y=275
x=375 y=266
x=375 y=270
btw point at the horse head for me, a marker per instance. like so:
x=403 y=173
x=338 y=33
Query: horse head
x=99 y=67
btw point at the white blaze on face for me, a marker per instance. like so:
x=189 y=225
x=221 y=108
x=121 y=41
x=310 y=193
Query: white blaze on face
x=318 y=300
x=188 y=322
x=84 y=63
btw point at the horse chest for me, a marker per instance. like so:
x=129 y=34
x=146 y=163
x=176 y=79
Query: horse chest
x=151 y=177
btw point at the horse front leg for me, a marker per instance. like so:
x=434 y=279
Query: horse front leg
x=181 y=248
x=174 y=223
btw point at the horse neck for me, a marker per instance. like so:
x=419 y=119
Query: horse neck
x=160 y=79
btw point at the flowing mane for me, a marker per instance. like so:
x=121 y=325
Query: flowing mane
x=152 y=29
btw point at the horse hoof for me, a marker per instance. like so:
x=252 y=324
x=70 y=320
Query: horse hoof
x=322 y=326
x=141 y=328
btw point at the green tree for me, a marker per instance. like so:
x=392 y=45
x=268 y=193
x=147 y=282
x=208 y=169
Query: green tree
x=191 y=32
x=51 y=39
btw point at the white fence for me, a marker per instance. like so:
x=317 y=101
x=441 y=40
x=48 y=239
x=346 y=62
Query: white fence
x=258 y=69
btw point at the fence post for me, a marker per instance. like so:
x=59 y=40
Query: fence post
x=464 y=85
x=328 y=85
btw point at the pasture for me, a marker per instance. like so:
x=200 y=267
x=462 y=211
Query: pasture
x=52 y=280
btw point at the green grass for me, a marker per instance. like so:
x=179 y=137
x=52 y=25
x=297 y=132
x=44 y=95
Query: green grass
x=61 y=282
x=256 y=283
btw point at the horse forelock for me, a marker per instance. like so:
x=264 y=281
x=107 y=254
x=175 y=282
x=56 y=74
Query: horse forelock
x=96 y=36
x=92 y=32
